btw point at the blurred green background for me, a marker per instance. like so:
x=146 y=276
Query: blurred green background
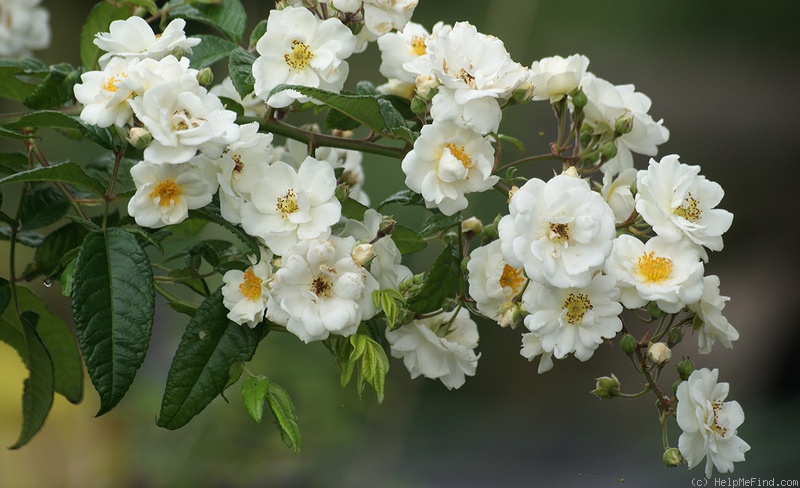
x=723 y=76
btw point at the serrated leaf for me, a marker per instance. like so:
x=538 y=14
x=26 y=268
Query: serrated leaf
x=48 y=257
x=66 y=278
x=352 y=209
x=407 y=240
x=12 y=134
x=254 y=394
x=240 y=69
x=234 y=373
x=41 y=207
x=57 y=338
x=285 y=416
x=394 y=121
x=210 y=50
x=258 y=32
x=98 y=20
x=113 y=306
x=364 y=109
x=365 y=87
x=56 y=89
x=68 y=172
x=37 y=394
x=375 y=366
x=199 y=370
x=211 y=213
x=26 y=237
x=102 y=168
x=12 y=162
x=437 y=223
x=439 y=283
x=227 y=16
x=12 y=77
x=403 y=197
x=335 y=120
x=57 y=120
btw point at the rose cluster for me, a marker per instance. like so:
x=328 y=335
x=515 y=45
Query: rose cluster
x=569 y=257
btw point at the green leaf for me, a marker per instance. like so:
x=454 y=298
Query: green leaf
x=352 y=209
x=12 y=134
x=395 y=122
x=437 y=223
x=234 y=373
x=254 y=393
x=258 y=32
x=57 y=120
x=12 y=162
x=439 y=283
x=227 y=16
x=68 y=172
x=102 y=168
x=99 y=19
x=113 y=306
x=14 y=74
x=365 y=87
x=240 y=68
x=403 y=197
x=211 y=213
x=364 y=109
x=57 y=338
x=26 y=237
x=67 y=278
x=335 y=120
x=210 y=50
x=150 y=5
x=56 y=89
x=285 y=416
x=199 y=371
x=37 y=394
x=407 y=241
x=48 y=258
x=42 y=206
x=372 y=363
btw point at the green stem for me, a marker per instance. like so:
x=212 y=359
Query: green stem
x=170 y=297
x=538 y=157
x=283 y=129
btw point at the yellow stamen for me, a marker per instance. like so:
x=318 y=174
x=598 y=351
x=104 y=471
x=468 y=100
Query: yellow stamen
x=166 y=192
x=689 y=209
x=652 y=268
x=717 y=406
x=111 y=82
x=459 y=153
x=559 y=232
x=300 y=57
x=321 y=287
x=576 y=305
x=512 y=278
x=250 y=288
x=287 y=204
x=418 y=46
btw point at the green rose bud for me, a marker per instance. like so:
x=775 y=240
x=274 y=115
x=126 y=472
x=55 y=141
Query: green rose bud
x=673 y=457
x=685 y=368
x=628 y=344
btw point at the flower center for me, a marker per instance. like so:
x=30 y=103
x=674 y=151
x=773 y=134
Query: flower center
x=512 y=278
x=653 y=268
x=559 y=232
x=287 y=204
x=299 y=57
x=721 y=431
x=689 y=210
x=467 y=78
x=111 y=83
x=250 y=288
x=458 y=152
x=238 y=165
x=418 y=45
x=576 y=305
x=181 y=120
x=322 y=287
x=166 y=192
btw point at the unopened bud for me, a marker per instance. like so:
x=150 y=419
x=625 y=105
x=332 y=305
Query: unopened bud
x=205 y=76
x=510 y=315
x=572 y=171
x=623 y=125
x=654 y=311
x=524 y=93
x=140 y=137
x=659 y=353
x=579 y=99
x=685 y=368
x=608 y=151
x=675 y=336
x=426 y=86
x=512 y=191
x=387 y=227
x=363 y=254
x=606 y=387
x=673 y=457
x=628 y=344
x=419 y=105
x=472 y=226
